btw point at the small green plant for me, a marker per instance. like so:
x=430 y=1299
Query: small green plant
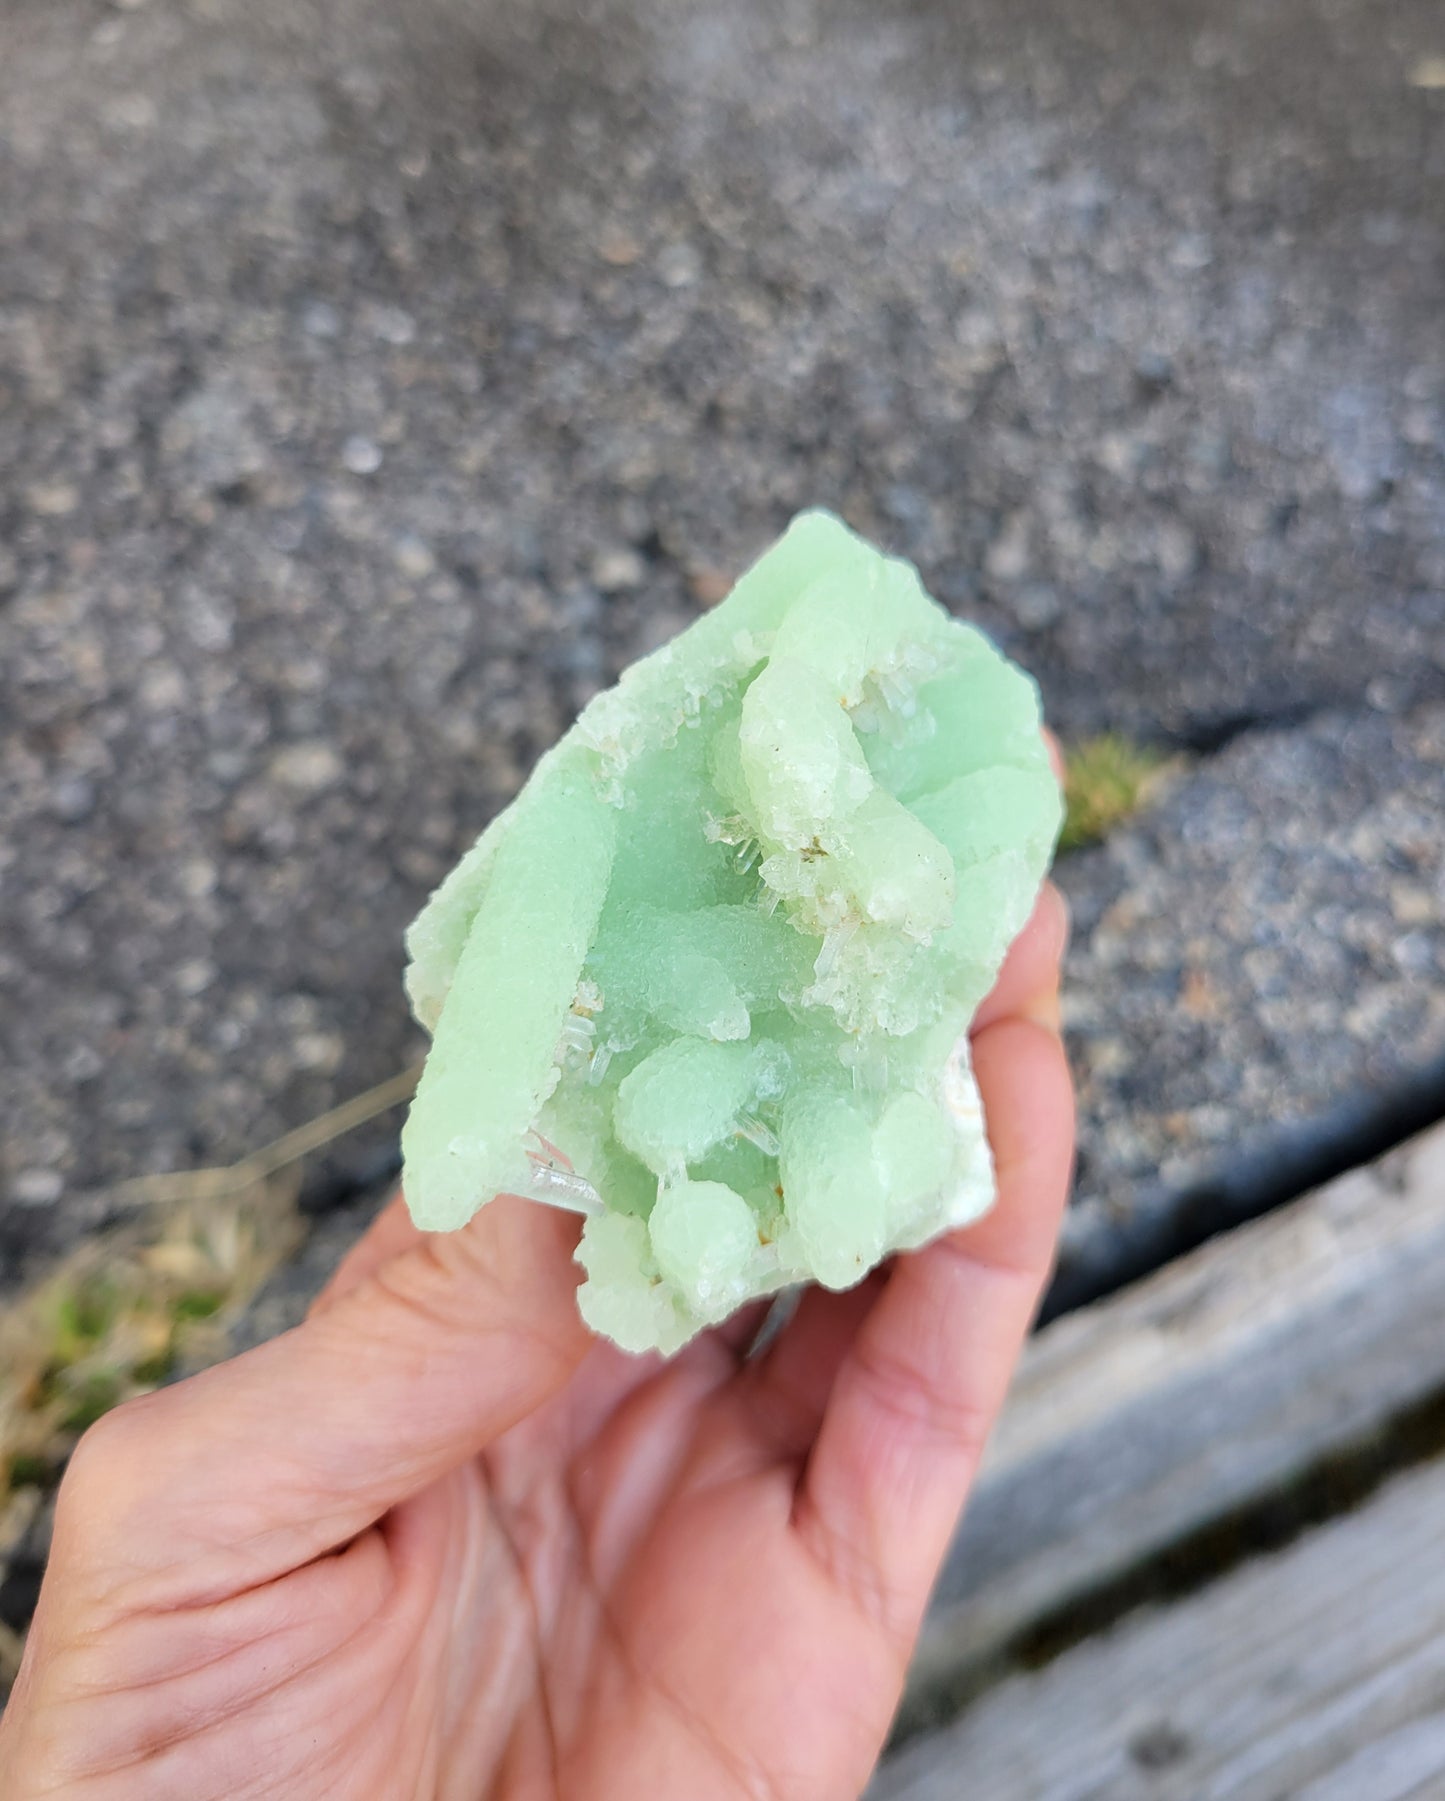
x=28 y=1469
x=153 y=1296
x=1106 y=780
x=125 y=1311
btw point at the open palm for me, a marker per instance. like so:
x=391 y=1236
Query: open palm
x=439 y=1542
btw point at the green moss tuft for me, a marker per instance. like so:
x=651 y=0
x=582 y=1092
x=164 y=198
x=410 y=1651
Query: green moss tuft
x=1106 y=780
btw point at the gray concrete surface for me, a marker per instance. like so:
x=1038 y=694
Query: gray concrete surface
x=375 y=380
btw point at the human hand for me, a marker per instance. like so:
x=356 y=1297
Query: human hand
x=438 y=1542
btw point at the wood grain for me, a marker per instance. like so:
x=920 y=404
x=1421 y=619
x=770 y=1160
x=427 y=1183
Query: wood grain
x=1197 y=1393
x=1317 y=1674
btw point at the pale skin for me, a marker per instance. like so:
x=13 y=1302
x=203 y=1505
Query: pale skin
x=439 y=1542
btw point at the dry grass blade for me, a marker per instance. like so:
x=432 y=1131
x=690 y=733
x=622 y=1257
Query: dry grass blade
x=126 y=1310
x=154 y=1295
x=315 y=1135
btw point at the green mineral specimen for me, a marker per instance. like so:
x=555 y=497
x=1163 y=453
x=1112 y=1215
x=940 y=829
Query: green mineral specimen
x=708 y=979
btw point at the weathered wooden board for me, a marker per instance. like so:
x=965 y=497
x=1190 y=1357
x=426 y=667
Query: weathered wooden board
x=1196 y=1393
x=1316 y=1674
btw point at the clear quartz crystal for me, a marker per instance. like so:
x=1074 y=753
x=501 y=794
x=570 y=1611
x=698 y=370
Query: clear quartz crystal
x=708 y=979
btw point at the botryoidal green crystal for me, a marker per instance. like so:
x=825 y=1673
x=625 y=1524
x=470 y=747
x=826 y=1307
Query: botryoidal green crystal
x=707 y=980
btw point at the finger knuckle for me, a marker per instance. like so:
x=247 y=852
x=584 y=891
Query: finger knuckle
x=107 y=1464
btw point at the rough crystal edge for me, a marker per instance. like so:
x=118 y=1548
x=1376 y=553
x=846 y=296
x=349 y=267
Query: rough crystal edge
x=446 y=923
x=971 y=1196
x=731 y=645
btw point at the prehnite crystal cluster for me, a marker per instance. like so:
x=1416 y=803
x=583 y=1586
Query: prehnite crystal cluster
x=707 y=980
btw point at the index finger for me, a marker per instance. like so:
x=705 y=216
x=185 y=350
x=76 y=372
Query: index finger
x=389 y=1235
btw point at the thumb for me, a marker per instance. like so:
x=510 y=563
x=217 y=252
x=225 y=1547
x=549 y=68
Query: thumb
x=260 y=1464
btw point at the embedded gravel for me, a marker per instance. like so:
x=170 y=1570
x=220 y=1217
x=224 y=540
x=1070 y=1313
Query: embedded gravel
x=1262 y=947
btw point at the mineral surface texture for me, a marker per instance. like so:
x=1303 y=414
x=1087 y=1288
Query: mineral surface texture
x=708 y=978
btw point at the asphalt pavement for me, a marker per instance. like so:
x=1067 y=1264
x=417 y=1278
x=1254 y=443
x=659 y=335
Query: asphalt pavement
x=377 y=380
